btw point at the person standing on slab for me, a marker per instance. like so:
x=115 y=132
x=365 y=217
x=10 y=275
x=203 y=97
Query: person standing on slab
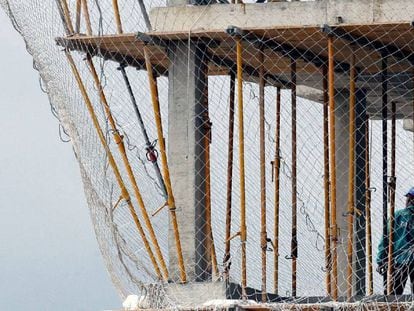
x=403 y=248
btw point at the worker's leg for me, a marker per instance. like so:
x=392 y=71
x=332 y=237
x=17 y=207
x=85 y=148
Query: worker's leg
x=400 y=277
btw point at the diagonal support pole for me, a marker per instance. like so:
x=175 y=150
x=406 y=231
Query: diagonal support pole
x=112 y=163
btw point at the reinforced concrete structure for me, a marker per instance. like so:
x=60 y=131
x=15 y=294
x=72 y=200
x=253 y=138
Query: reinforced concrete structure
x=189 y=43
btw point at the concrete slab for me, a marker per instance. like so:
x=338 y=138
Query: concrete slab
x=279 y=14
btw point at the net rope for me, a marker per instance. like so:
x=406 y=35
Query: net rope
x=93 y=58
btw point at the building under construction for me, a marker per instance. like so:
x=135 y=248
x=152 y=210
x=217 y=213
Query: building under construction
x=240 y=154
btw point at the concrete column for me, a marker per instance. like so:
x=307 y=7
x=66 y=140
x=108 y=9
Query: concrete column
x=342 y=158
x=342 y=171
x=186 y=155
x=360 y=192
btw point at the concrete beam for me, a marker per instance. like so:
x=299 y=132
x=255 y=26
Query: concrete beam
x=278 y=14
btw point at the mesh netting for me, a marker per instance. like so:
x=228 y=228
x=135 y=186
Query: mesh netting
x=237 y=151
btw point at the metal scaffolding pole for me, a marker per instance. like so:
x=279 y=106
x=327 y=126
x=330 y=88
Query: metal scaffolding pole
x=392 y=187
x=124 y=192
x=384 y=112
x=118 y=140
x=166 y=172
x=243 y=229
x=370 y=275
x=226 y=260
x=294 y=239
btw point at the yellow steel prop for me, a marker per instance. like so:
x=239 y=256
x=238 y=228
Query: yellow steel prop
x=243 y=229
x=277 y=196
x=121 y=147
x=112 y=163
x=166 y=172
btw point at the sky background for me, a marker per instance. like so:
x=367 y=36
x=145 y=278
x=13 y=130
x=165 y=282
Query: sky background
x=49 y=257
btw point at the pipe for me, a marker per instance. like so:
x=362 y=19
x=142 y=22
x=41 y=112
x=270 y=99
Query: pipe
x=85 y=10
x=226 y=260
x=78 y=16
x=111 y=160
x=118 y=140
x=117 y=16
x=62 y=17
x=145 y=16
x=384 y=111
x=368 y=210
x=351 y=179
x=294 y=239
x=326 y=181
x=121 y=146
x=392 y=186
x=149 y=147
x=65 y=13
x=243 y=229
x=166 y=172
x=277 y=196
x=263 y=232
x=332 y=158
x=112 y=163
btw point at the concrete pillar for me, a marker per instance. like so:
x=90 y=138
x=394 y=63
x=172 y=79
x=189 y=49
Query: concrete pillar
x=187 y=77
x=360 y=192
x=342 y=158
x=342 y=171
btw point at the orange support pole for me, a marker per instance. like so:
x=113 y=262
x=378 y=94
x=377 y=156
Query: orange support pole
x=78 y=16
x=112 y=163
x=243 y=229
x=166 y=172
x=85 y=10
x=122 y=151
x=117 y=16
x=66 y=15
